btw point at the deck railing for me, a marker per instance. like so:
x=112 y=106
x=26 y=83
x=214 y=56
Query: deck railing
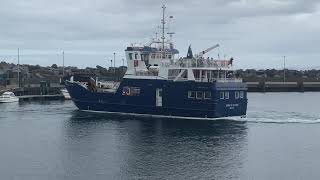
x=207 y=79
x=197 y=63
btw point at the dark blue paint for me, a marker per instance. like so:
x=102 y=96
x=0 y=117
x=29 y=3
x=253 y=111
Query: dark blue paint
x=175 y=101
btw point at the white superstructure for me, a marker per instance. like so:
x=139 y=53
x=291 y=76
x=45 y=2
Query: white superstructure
x=158 y=60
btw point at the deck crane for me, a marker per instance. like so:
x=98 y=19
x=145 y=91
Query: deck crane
x=207 y=50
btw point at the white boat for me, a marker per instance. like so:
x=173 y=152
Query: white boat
x=65 y=94
x=8 y=97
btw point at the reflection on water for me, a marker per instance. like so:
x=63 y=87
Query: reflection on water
x=126 y=146
x=52 y=140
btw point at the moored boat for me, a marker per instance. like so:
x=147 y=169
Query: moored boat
x=157 y=83
x=8 y=97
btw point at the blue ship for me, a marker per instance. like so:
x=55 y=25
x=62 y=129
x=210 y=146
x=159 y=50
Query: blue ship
x=157 y=83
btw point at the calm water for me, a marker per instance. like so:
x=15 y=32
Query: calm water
x=52 y=140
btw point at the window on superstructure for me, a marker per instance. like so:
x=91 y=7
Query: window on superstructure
x=199 y=95
x=207 y=95
x=135 y=56
x=153 y=56
x=130 y=56
x=241 y=94
x=221 y=95
x=226 y=95
x=237 y=95
x=191 y=94
x=169 y=56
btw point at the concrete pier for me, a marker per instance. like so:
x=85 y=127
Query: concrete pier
x=41 y=97
x=283 y=86
x=54 y=92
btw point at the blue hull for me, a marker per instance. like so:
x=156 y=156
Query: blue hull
x=178 y=99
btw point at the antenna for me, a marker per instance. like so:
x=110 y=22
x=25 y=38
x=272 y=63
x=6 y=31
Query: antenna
x=163 y=24
x=170 y=33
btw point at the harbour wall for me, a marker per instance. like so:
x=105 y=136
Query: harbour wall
x=52 y=89
x=283 y=86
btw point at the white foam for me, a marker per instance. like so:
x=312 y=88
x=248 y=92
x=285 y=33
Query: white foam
x=279 y=121
x=266 y=117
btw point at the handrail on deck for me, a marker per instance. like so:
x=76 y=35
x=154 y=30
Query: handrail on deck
x=197 y=63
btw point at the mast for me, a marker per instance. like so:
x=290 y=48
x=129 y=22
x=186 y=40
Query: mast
x=163 y=24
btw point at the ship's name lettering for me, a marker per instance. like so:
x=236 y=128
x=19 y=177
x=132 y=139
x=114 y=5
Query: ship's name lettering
x=232 y=105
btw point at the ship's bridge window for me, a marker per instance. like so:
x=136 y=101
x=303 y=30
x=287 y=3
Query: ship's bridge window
x=207 y=95
x=226 y=95
x=153 y=56
x=221 y=95
x=191 y=94
x=241 y=94
x=199 y=95
x=130 y=56
x=145 y=57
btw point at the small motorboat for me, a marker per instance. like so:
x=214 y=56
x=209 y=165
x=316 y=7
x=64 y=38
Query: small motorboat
x=8 y=97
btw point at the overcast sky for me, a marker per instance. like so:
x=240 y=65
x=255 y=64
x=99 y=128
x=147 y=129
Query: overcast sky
x=257 y=33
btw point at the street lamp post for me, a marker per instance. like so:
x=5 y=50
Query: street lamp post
x=114 y=62
x=114 y=59
x=62 y=63
x=18 y=67
x=284 y=69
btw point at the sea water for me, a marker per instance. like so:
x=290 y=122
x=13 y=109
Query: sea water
x=279 y=139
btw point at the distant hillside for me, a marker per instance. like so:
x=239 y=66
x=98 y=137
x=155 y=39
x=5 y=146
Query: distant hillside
x=34 y=74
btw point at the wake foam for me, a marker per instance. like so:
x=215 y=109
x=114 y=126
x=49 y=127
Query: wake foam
x=277 y=121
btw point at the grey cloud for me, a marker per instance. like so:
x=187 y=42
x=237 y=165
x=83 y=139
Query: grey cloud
x=102 y=27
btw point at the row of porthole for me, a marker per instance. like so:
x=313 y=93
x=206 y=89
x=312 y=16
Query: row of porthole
x=237 y=95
